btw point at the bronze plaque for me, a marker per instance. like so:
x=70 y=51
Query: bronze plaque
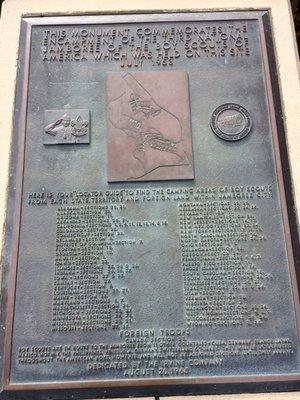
x=151 y=244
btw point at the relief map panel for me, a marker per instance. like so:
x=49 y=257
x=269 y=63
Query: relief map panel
x=152 y=242
x=156 y=142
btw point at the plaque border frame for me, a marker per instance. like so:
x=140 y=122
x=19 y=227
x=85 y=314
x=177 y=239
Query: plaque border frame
x=145 y=386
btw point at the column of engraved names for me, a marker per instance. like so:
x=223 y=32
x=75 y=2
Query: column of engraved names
x=84 y=296
x=219 y=265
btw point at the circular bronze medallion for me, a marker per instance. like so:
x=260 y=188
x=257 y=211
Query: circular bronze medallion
x=231 y=122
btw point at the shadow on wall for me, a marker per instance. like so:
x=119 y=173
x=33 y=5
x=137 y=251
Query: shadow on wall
x=296 y=13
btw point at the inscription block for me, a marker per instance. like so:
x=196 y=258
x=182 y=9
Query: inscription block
x=149 y=132
x=160 y=258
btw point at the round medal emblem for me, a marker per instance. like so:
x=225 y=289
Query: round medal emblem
x=231 y=122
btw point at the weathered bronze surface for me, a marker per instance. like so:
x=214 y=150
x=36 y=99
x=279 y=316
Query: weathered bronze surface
x=151 y=240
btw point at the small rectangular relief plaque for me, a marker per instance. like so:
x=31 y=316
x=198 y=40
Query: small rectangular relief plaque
x=67 y=126
x=159 y=259
x=149 y=131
